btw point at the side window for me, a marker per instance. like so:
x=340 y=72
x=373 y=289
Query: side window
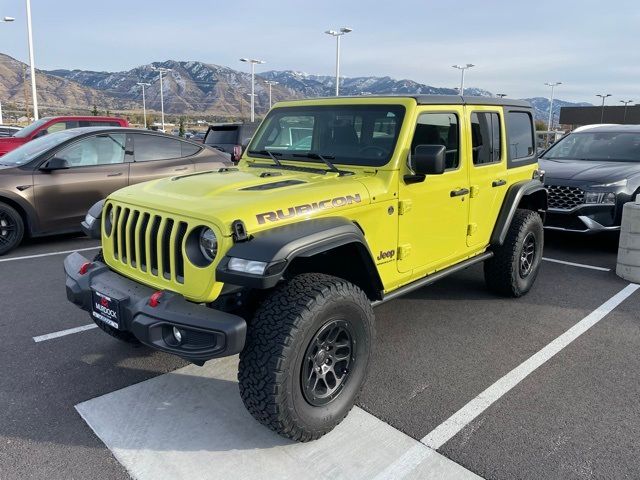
x=89 y=123
x=439 y=129
x=148 y=148
x=99 y=150
x=187 y=149
x=520 y=135
x=59 y=126
x=485 y=136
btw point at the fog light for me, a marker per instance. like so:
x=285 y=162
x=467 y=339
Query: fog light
x=247 y=266
x=177 y=334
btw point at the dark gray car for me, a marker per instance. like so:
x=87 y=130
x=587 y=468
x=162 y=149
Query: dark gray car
x=48 y=184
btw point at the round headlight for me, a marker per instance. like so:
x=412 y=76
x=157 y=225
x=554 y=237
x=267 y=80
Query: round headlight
x=208 y=244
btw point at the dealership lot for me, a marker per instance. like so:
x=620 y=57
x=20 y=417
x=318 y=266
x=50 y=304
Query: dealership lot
x=439 y=348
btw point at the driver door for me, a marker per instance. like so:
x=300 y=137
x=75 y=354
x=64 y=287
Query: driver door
x=97 y=167
x=434 y=212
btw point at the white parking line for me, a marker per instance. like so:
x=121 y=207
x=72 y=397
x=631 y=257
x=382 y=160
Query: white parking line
x=581 y=265
x=26 y=257
x=63 y=333
x=459 y=420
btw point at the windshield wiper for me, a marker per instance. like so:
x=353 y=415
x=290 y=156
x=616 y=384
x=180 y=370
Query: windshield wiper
x=271 y=154
x=323 y=158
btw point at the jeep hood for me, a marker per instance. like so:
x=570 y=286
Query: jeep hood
x=588 y=171
x=261 y=198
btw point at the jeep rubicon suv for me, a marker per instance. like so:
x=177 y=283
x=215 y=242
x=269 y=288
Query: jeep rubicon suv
x=336 y=206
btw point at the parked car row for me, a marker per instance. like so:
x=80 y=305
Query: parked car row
x=48 y=184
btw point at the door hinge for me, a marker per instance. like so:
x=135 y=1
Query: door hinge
x=404 y=206
x=475 y=190
x=472 y=228
x=404 y=251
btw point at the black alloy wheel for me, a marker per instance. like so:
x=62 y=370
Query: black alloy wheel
x=11 y=228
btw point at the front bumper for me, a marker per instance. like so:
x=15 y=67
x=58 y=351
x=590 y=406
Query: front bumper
x=207 y=333
x=583 y=219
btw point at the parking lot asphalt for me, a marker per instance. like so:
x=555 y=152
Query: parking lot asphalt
x=438 y=348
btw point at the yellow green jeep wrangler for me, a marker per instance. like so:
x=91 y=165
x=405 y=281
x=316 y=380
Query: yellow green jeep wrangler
x=336 y=206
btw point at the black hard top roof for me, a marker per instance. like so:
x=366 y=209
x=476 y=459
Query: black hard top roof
x=448 y=100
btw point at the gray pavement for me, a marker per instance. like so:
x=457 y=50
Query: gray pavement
x=575 y=417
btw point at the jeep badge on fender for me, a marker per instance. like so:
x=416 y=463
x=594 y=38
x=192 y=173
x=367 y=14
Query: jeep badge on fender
x=336 y=205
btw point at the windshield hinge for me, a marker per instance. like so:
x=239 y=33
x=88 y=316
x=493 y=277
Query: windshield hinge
x=404 y=206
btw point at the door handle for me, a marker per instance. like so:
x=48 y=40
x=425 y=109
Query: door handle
x=499 y=183
x=115 y=174
x=180 y=169
x=460 y=192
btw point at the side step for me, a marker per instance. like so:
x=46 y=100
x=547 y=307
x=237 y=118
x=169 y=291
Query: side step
x=434 y=277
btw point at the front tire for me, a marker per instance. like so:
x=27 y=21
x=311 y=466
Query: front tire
x=306 y=357
x=514 y=267
x=11 y=228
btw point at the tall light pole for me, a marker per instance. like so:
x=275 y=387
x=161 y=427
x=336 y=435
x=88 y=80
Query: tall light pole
x=553 y=85
x=7 y=20
x=602 y=96
x=253 y=63
x=271 y=83
x=462 y=68
x=31 y=62
x=624 y=116
x=337 y=34
x=161 y=71
x=144 y=105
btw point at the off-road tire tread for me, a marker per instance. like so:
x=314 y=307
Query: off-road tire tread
x=498 y=269
x=270 y=339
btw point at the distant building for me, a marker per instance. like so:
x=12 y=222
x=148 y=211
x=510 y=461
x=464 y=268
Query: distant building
x=577 y=116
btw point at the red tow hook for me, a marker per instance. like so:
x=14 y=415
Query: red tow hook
x=84 y=268
x=154 y=300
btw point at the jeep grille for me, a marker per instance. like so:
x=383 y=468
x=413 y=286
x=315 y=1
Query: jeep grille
x=565 y=198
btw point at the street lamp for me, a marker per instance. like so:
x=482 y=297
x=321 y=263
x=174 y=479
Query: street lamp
x=624 y=116
x=144 y=106
x=602 y=96
x=31 y=62
x=271 y=83
x=161 y=71
x=553 y=85
x=337 y=35
x=5 y=19
x=462 y=68
x=253 y=63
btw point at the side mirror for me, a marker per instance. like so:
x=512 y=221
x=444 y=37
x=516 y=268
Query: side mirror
x=429 y=160
x=56 y=163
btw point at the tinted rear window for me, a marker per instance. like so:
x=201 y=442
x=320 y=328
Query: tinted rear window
x=218 y=135
x=155 y=147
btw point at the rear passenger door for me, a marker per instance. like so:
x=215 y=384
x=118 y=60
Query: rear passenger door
x=157 y=156
x=488 y=171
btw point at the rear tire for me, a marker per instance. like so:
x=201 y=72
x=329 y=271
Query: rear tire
x=11 y=228
x=306 y=357
x=514 y=267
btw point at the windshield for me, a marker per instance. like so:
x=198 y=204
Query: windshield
x=29 y=151
x=603 y=146
x=348 y=134
x=28 y=130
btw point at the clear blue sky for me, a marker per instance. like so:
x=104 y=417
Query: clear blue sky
x=591 y=46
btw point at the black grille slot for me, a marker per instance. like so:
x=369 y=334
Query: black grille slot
x=153 y=248
x=564 y=197
x=133 y=255
x=114 y=232
x=142 y=241
x=122 y=233
x=166 y=249
x=182 y=230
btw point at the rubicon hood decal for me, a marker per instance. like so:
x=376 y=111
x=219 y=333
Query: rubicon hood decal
x=306 y=208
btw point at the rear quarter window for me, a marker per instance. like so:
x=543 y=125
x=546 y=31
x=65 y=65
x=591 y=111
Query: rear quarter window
x=220 y=135
x=520 y=136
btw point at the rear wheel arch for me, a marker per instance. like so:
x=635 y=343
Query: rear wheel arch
x=527 y=195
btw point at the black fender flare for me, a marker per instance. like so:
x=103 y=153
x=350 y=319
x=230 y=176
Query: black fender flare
x=279 y=246
x=512 y=200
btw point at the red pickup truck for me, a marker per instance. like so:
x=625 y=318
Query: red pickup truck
x=55 y=124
